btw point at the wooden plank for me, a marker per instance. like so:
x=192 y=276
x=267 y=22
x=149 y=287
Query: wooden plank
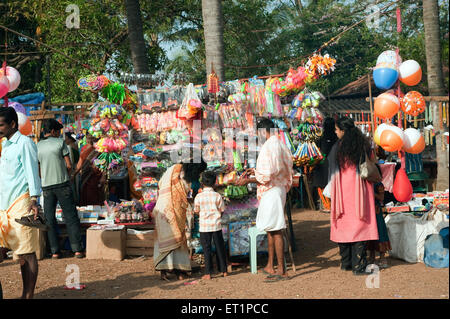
x=139 y=251
x=140 y=243
x=427 y=98
x=41 y=117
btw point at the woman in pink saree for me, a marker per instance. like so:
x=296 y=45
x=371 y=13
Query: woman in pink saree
x=353 y=220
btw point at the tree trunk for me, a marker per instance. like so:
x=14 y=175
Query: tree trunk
x=435 y=82
x=136 y=37
x=213 y=28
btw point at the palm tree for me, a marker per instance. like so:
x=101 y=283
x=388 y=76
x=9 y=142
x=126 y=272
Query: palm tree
x=136 y=37
x=435 y=81
x=213 y=29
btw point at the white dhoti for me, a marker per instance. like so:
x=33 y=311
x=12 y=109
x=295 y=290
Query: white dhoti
x=270 y=215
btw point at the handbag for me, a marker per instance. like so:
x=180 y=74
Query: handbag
x=369 y=171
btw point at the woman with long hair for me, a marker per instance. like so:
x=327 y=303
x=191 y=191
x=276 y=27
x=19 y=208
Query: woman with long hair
x=173 y=215
x=353 y=220
x=320 y=173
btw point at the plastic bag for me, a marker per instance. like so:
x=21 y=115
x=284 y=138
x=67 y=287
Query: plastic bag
x=407 y=234
x=191 y=104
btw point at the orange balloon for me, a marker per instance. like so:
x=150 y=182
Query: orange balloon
x=413 y=103
x=386 y=105
x=26 y=128
x=391 y=140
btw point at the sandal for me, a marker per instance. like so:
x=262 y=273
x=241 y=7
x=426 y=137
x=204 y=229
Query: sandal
x=56 y=256
x=31 y=222
x=274 y=278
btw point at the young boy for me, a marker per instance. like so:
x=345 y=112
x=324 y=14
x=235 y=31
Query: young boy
x=210 y=206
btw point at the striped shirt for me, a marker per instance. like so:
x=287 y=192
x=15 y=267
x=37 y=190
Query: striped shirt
x=210 y=207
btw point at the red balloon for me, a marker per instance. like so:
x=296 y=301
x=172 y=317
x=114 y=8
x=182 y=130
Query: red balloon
x=402 y=187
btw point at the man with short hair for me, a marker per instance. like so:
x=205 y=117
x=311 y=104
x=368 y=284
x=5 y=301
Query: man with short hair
x=55 y=167
x=273 y=174
x=20 y=187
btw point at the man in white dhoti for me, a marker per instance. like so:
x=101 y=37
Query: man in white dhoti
x=273 y=174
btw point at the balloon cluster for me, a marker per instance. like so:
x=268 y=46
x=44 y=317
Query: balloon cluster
x=9 y=81
x=392 y=138
x=388 y=70
x=293 y=82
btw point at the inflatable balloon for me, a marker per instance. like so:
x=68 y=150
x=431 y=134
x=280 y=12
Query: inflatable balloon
x=388 y=59
x=13 y=77
x=4 y=86
x=391 y=139
x=386 y=105
x=384 y=78
x=410 y=73
x=413 y=103
x=385 y=73
x=18 y=107
x=24 y=123
x=402 y=187
x=378 y=131
x=413 y=141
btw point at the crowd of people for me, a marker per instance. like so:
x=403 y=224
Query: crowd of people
x=54 y=164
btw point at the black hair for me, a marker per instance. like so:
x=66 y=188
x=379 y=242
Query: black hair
x=192 y=171
x=10 y=115
x=208 y=179
x=352 y=145
x=69 y=136
x=329 y=129
x=266 y=124
x=51 y=124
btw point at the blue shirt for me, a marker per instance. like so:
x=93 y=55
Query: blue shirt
x=19 y=170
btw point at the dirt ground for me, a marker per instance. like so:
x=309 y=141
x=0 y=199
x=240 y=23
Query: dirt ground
x=318 y=276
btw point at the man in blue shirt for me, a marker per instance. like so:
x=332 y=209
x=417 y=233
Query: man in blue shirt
x=20 y=186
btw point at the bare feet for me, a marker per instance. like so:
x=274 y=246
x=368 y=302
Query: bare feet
x=269 y=271
x=225 y=274
x=206 y=277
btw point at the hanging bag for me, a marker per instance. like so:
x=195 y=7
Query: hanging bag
x=369 y=171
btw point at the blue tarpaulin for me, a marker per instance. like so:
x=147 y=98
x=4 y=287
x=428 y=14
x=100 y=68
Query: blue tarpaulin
x=31 y=98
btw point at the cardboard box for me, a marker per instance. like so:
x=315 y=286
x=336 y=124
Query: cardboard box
x=105 y=244
x=140 y=244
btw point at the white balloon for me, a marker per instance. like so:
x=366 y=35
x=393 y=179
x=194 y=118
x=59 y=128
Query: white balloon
x=13 y=76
